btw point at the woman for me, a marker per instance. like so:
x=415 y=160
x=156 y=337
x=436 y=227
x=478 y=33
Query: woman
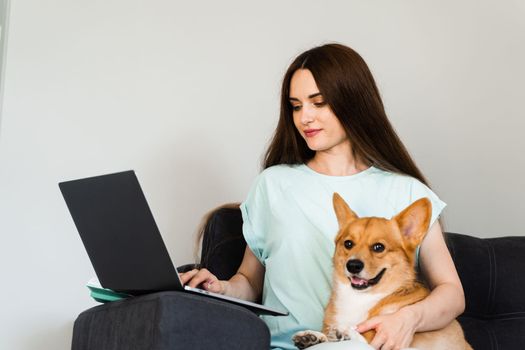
x=332 y=136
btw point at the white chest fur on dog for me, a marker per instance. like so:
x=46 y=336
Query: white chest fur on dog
x=352 y=305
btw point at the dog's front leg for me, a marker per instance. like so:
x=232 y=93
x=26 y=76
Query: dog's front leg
x=336 y=334
x=350 y=333
x=305 y=339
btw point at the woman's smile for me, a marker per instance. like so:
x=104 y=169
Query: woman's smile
x=311 y=132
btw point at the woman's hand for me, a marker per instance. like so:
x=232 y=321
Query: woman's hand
x=394 y=331
x=245 y=284
x=203 y=278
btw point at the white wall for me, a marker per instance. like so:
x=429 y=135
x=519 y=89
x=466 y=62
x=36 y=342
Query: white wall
x=4 y=8
x=187 y=95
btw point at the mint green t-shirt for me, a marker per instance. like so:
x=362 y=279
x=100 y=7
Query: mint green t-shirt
x=290 y=226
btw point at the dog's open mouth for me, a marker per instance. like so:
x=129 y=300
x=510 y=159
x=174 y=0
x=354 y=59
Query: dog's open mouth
x=361 y=283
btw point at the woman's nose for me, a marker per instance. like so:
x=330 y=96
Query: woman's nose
x=307 y=114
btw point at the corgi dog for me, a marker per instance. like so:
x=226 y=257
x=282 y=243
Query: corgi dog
x=374 y=274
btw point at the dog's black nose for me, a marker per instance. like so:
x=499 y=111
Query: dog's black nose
x=354 y=266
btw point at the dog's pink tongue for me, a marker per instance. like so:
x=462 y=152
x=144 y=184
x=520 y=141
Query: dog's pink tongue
x=358 y=281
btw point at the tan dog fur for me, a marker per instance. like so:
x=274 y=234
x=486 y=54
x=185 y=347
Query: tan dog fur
x=396 y=287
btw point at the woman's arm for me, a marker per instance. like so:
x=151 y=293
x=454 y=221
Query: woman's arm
x=246 y=284
x=445 y=302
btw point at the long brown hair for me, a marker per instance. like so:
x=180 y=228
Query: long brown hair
x=348 y=87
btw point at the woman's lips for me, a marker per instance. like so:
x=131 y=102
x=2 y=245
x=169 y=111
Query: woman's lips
x=311 y=132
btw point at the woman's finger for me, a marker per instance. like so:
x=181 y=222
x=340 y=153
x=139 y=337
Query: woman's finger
x=187 y=276
x=214 y=286
x=201 y=277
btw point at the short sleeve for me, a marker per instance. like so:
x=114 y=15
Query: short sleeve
x=255 y=215
x=419 y=190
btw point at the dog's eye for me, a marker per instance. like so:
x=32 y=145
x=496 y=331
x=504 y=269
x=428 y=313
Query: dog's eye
x=348 y=244
x=378 y=247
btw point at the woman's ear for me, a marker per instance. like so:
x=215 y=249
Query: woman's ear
x=342 y=211
x=413 y=222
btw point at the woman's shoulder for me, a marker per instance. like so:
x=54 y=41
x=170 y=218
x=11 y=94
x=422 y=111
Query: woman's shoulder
x=281 y=173
x=402 y=184
x=387 y=174
x=392 y=180
x=280 y=170
x=278 y=176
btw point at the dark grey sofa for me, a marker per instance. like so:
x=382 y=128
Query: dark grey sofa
x=492 y=272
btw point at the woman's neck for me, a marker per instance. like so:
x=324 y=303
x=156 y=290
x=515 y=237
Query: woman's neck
x=336 y=164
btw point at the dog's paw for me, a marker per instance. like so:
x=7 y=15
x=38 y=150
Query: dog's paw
x=336 y=334
x=305 y=339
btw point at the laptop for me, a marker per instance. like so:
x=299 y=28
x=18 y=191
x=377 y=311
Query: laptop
x=123 y=241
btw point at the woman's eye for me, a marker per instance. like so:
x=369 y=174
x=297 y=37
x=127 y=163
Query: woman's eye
x=319 y=104
x=296 y=108
x=378 y=247
x=348 y=244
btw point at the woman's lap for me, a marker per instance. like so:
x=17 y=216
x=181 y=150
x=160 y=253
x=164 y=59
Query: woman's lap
x=342 y=345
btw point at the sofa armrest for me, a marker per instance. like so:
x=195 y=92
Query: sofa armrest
x=169 y=320
x=491 y=271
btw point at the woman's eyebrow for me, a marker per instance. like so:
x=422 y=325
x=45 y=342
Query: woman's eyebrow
x=309 y=96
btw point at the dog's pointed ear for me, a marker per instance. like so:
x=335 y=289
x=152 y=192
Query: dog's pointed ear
x=413 y=222
x=342 y=210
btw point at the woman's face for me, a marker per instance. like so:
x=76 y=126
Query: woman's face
x=312 y=117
